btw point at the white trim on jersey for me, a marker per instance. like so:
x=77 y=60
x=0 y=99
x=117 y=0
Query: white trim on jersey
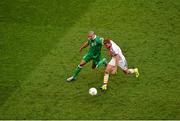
x=94 y=37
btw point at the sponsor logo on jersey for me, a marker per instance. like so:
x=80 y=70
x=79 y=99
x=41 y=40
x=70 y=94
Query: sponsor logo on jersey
x=93 y=44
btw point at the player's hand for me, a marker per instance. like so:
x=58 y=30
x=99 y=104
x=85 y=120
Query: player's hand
x=80 y=50
x=114 y=70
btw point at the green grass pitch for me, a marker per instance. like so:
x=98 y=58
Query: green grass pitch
x=39 y=43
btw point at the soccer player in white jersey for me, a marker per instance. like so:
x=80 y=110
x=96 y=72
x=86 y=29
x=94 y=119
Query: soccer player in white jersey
x=118 y=59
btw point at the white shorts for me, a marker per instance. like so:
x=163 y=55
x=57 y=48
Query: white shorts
x=122 y=63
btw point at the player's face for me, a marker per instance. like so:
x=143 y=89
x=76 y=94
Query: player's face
x=91 y=36
x=107 y=45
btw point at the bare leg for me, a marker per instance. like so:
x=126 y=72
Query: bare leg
x=106 y=76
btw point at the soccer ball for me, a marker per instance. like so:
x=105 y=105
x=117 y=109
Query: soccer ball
x=93 y=91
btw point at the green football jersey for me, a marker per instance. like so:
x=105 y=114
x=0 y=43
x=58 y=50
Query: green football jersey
x=95 y=46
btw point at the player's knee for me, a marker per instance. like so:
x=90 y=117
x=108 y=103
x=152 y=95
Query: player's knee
x=82 y=63
x=107 y=71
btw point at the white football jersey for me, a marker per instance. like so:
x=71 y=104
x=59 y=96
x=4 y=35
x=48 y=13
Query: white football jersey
x=116 y=50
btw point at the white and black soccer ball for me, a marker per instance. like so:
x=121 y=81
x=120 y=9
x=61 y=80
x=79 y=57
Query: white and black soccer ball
x=93 y=91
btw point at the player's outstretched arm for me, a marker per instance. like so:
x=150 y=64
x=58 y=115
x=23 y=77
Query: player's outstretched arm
x=83 y=46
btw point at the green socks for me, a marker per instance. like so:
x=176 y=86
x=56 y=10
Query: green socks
x=101 y=62
x=78 y=69
x=76 y=72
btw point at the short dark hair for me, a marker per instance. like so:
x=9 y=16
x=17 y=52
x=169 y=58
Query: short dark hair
x=106 y=40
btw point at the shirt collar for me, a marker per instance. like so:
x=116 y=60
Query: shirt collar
x=94 y=37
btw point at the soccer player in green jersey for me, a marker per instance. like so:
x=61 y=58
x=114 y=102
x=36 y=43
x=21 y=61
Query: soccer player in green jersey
x=95 y=44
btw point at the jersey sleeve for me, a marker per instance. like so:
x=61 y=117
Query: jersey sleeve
x=88 y=42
